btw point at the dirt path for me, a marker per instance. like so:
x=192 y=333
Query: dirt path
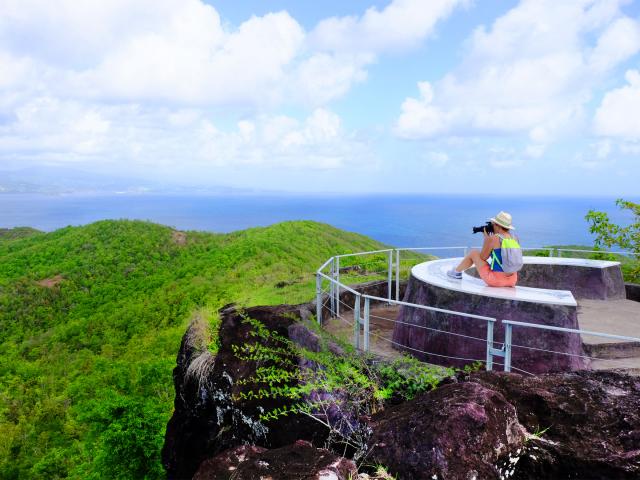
x=381 y=331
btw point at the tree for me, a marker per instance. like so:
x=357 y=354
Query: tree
x=609 y=234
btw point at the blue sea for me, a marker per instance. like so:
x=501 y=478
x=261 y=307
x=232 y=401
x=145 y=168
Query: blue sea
x=401 y=221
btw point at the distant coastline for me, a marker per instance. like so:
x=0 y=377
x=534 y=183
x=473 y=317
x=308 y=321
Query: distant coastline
x=399 y=220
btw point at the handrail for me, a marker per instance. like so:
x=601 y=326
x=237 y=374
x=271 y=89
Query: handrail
x=570 y=330
x=429 y=248
x=324 y=265
x=363 y=253
x=335 y=286
x=595 y=251
x=426 y=307
x=345 y=287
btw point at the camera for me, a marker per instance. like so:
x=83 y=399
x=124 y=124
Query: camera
x=487 y=226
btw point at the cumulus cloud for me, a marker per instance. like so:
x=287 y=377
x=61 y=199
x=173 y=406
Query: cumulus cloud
x=119 y=136
x=141 y=51
x=617 y=115
x=143 y=82
x=401 y=24
x=180 y=51
x=532 y=72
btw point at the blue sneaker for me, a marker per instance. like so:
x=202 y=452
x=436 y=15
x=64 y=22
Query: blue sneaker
x=453 y=274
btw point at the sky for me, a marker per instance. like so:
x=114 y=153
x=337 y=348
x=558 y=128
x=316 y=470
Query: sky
x=536 y=97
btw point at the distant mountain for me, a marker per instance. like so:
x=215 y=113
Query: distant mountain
x=60 y=180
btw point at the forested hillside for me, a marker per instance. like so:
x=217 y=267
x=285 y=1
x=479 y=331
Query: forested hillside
x=90 y=323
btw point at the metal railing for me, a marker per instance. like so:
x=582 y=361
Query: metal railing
x=362 y=313
x=508 y=343
x=602 y=252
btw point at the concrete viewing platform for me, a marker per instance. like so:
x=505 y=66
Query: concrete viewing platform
x=435 y=273
x=549 y=292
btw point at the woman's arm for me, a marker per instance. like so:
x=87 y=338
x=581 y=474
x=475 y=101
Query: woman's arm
x=487 y=246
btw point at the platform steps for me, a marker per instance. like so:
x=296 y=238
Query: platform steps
x=613 y=350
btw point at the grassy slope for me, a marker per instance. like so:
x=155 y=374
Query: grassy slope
x=85 y=366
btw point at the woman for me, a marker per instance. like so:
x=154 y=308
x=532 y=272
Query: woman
x=490 y=270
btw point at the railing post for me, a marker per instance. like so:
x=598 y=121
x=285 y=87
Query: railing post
x=466 y=250
x=389 y=275
x=319 y=299
x=559 y=253
x=489 y=346
x=397 y=274
x=507 y=347
x=356 y=322
x=332 y=288
x=337 y=278
x=366 y=323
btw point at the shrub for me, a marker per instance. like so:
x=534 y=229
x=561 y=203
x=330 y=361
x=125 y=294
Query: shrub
x=609 y=234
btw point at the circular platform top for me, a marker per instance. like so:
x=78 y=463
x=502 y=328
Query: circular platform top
x=435 y=273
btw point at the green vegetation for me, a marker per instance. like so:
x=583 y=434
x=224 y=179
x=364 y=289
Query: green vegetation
x=91 y=320
x=628 y=238
x=358 y=385
x=18 y=232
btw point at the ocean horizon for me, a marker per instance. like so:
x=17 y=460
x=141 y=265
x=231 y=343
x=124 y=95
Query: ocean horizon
x=398 y=220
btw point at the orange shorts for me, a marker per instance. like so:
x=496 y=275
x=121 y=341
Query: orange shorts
x=497 y=279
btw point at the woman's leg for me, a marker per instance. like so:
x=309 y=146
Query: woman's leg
x=473 y=258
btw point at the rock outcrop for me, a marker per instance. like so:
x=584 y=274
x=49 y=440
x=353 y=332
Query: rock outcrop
x=632 y=291
x=486 y=425
x=456 y=431
x=582 y=425
x=588 y=423
x=209 y=416
x=300 y=461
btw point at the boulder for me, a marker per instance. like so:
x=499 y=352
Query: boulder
x=588 y=423
x=632 y=291
x=493 y=425
x=210 y=416
x=300 y=461
x=457 y=431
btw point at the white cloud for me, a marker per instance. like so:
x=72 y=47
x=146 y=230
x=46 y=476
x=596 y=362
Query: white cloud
x=596 y=156
x=617 y=115
x=64 y=130
x=621 y=40
x=140 y=82
x=532 y=73
x=401 y=24
x=179 y=51
x=535 y=151
x=325 y=76
x=603 y=149
x=632 y=148
x=505 y=163
x=437 y=159
x=47 y=130
x=179 y=65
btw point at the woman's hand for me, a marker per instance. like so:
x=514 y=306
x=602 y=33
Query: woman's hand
x=485 y=233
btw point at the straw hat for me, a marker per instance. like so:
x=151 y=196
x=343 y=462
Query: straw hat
x=504 y=220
